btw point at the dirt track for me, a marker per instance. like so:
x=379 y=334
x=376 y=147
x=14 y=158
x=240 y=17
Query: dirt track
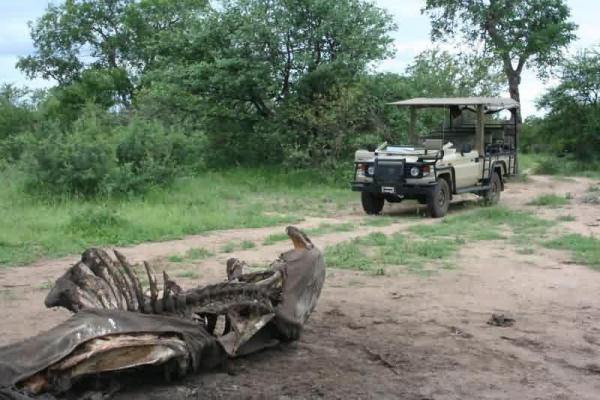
x=400 y=336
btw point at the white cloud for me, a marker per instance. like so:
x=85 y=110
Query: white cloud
x=10 y=74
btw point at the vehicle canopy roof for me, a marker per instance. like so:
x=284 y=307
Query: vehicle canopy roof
x=490 y=104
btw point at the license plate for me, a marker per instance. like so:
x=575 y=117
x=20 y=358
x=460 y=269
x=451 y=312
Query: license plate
x=388 y=189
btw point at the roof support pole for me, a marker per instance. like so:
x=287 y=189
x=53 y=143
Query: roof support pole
x=412 y=127
x=479 y=130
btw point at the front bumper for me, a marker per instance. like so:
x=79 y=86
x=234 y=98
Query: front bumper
x=403 y=189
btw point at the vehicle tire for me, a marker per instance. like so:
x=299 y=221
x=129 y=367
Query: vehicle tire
x=492 y=195
x=372 y=203
x=439 y=199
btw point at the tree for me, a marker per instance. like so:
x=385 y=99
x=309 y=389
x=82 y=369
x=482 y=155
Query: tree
x=516 y=33
x=437 y=73
x=573 y=119
x=266 y=62
x=262 y=51
x=116 y=36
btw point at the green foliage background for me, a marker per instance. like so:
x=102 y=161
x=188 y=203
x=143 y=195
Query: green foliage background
x=151 y=90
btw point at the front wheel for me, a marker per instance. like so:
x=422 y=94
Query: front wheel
x=492 y=195
x=372 y=203
x=439 y=199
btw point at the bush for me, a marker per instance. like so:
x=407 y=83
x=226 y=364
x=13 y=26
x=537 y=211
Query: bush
x=76 y=162
x=93 y=157
x=149 y=154
x=550 y=166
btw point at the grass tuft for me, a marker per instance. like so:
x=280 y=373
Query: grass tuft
x=274 y=238
x=549 y=200
x=247 y=244
x=379 y=221
x=376 y=250
x=566 y=218
x=187 y=273
x=586 y=249
x=483 y=223
x=592 y=195
x=436 y=242
x=228 y=247
x=325 y=229
x=322 y=229
x=191 y=255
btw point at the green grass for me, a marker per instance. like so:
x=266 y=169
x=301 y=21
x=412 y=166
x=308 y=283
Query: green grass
x=434 y=243
x=322 y=229
x=592 y=195
x=191 y=255
x=484 y=223
x=379 y=220
x=549 y=200
x=32 y=227
x=187 y=273
x=526 y=251
x=47 y=285
x=196 y=254
x=274 y=238
x=228 y=247
x=377 y=252
x=349 y=256
x=566 y=218
x=247 y=244
x=586 y=249
x=325 y=229
x=547 y=164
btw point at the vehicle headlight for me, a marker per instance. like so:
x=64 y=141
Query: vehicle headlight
x=371 y=170
x=415 y=171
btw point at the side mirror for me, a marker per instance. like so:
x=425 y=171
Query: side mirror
x=466 y=148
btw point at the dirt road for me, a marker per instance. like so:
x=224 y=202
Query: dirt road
x=396 y=336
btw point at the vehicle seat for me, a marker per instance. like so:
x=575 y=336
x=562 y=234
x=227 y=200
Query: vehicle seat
x=432 y=144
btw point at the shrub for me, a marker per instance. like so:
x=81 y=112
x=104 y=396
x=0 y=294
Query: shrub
x=93 y=157
x=149 y=154
x=549 y=166
x=77 y=162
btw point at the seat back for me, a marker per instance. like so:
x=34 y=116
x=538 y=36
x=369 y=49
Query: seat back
x=432 y=144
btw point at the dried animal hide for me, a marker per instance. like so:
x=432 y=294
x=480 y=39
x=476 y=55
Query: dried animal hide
x=94 y=341
x=119 y=326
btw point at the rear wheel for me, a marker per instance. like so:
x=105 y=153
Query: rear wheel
x=372 y=203
x=439 y=199
x=492 y=195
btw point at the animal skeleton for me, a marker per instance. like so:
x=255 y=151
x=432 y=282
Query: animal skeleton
x=118 y=326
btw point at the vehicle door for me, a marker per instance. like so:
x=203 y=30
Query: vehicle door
x=467 y=169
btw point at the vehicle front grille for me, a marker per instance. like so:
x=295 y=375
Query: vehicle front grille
x=389 y=172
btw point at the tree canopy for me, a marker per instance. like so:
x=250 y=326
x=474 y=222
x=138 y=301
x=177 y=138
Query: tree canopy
x=573 y=120
x=113 y=41
x=148 y=89
x=515 y=33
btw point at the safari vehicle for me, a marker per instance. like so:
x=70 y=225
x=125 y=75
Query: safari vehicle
x=472 y=152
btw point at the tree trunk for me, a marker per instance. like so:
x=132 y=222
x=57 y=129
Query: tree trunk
x=514 y=79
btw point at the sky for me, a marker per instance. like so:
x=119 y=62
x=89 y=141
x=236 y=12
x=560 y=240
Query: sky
x=411 y=37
